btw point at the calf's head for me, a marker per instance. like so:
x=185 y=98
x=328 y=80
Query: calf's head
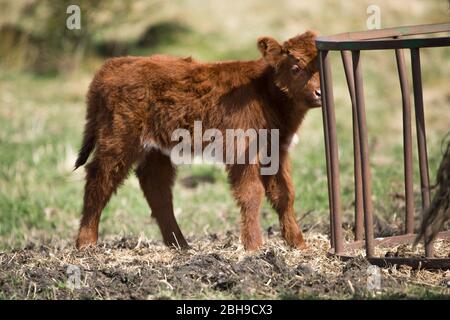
x=295 y=65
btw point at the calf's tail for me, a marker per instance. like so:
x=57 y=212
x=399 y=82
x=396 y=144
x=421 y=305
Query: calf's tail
x=90 y=129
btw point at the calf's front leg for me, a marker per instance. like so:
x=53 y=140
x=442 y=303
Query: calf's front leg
x=248 y=191
x=280 y=193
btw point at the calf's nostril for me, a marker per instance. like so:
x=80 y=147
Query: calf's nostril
x=317 y=93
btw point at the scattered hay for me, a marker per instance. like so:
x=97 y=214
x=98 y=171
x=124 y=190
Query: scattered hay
x=216 y=267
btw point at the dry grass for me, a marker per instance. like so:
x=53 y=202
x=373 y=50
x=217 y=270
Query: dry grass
x=215 y=267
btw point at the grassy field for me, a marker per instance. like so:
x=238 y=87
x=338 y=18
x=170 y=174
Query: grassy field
x=42 y=118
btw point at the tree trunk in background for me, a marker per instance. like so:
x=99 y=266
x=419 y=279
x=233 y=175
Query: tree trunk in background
x=439 y=211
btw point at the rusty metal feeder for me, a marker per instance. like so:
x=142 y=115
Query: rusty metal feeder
x=350 y=45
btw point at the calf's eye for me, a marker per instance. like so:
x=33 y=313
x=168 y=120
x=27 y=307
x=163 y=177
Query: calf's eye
x=295 y=69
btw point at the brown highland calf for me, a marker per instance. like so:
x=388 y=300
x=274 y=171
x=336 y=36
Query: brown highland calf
x=135 y=103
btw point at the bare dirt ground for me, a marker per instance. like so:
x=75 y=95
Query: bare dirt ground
x=215 y=267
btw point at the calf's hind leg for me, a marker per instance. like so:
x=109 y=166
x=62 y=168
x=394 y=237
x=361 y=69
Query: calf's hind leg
x=156 y=176
x=103 y=175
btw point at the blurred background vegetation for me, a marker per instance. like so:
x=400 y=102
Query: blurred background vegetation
x=45 y=70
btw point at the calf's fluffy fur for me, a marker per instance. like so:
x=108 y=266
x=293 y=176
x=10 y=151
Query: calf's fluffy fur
x=137 y=102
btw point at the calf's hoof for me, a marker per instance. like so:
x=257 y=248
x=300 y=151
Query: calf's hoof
x=297 y=241
x=85 y=240
x=301 y=245
x=175 y=241
x=253 y=245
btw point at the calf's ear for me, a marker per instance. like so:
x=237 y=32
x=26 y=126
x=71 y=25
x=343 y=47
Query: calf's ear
x=270 y=49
